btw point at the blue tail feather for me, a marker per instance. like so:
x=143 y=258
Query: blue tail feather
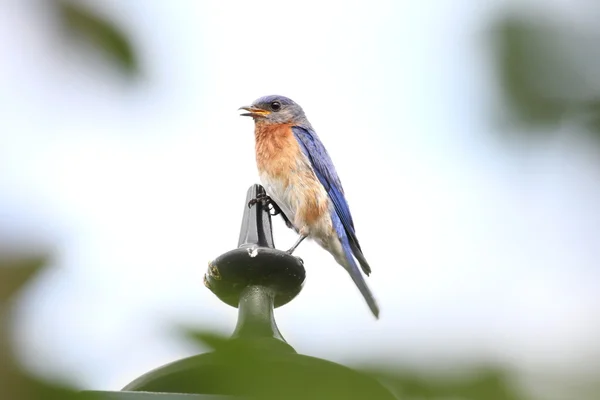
x=357 y=277
x=360 y=257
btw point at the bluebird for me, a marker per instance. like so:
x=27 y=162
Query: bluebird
x=299 y=177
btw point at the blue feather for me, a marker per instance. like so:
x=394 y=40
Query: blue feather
x=352 y=268
x=323 y=167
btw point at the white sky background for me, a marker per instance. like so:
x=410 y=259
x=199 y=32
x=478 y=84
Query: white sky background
x=478 y=250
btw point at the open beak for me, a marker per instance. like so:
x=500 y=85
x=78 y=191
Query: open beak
x=254 y=112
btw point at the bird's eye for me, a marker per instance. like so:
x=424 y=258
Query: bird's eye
x=275 y=106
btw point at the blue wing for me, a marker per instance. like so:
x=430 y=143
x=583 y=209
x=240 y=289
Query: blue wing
x=316 y=153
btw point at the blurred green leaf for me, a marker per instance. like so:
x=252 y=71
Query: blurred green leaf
x=247 y=369
x=593 y=109
x=101 y=33
x=547 y=73
x=479 y=383
x=527 y=60
x=212 y=340
x=15 y=383
x=15 y=272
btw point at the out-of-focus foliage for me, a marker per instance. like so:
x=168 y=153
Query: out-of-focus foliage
x=16 y=384
x=261 y=368
x=15 y=271
x=100 y=33
x=489 y=383
x=479 y=383
x=547 y=72
x=153 y=396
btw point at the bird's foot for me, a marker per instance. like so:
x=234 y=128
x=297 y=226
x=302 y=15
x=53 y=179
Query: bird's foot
x=266 y=201
x=300 y=239
x=261 y=198
x=275 y=208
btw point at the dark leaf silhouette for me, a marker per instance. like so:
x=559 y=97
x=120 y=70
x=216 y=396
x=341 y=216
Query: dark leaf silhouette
x=546 y=73
x=100 y=33
x=15 y=383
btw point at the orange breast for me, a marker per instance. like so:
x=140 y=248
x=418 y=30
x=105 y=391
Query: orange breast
x=277 y=150
x=278 y=155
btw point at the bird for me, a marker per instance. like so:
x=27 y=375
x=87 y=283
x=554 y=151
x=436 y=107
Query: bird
x=299 y=177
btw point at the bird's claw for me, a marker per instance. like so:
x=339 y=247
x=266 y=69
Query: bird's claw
x=261 y=198
x=266 y=201
x=275 y=208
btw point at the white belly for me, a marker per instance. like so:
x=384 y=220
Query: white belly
x=281 y=195
x=291 y=197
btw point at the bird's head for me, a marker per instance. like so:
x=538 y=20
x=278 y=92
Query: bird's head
x=275 y=109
